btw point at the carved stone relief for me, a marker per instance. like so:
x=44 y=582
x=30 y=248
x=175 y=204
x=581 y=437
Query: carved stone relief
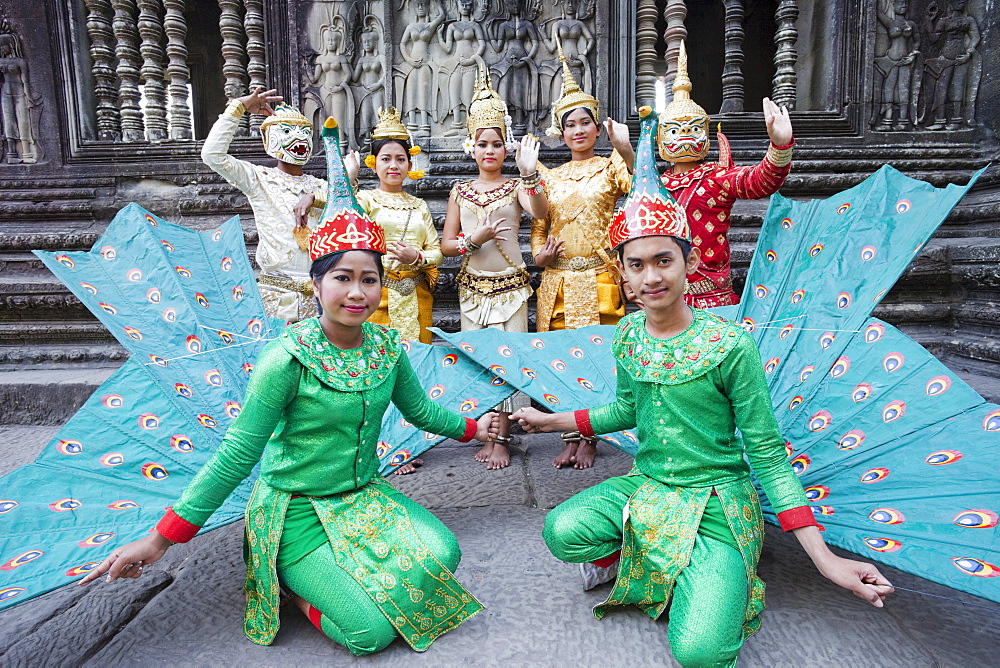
x=435 y=49
x=20 y=107
x=928 y=64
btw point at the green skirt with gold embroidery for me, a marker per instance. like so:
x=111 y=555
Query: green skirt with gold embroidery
x=374 y=541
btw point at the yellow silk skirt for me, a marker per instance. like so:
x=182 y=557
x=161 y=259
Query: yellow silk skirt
x=425 y=307
x=609 y=303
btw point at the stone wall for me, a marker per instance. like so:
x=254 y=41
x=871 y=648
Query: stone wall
x=95 y=114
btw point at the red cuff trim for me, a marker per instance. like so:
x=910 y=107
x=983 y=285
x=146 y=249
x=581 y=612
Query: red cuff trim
x=175 y=528
x=316 y=617
x=782 y=148
x=604 y=562
x=470 y=430
x=796 y=518
x=582 y=418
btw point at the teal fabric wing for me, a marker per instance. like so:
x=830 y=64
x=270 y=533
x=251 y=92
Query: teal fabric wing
x=898 y=456
x=451 y=380
x=185 y=305
x=564 y=370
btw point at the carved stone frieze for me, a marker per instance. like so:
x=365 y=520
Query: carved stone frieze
x=427 y=62
x=928 y=65
x=20 y=107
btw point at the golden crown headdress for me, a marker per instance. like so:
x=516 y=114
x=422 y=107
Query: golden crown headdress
x=390 y=126
x=487 y=110
x=572 y=97
x=682 y=106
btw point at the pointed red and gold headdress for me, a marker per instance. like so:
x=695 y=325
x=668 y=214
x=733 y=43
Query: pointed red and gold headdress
x=649 y=209
x=344 y=225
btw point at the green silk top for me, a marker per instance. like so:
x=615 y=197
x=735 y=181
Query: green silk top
x=314 y=413
x=687 y=396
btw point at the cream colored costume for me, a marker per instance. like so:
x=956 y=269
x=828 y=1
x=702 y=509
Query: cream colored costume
x=284 y=284
x=493 y=282
x=406 y=292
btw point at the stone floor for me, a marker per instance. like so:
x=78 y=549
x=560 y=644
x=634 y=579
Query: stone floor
x=188 y=609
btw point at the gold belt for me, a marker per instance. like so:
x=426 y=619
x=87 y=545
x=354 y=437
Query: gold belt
x=302 y=287
x=404 y=286
x=488 y=286
x=577 y=263
x=706 y=285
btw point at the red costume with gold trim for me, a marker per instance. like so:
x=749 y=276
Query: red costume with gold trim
x=708 y=193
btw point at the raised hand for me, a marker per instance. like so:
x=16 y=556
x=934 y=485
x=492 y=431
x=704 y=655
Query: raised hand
x=128 y=560
x=302 y=208
x=352 y=165
x=526 y=156
x=259 y=101
x=779 y=125
x=550 y=252
x=617 y=134
x=488 y=229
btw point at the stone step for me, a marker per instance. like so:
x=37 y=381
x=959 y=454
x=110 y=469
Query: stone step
x=47 y=396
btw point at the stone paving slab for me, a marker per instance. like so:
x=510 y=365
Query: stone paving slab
x=188 y=609
x=47 y=396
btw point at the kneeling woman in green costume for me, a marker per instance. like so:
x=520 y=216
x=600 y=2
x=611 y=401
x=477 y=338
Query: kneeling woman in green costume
x=365 y=562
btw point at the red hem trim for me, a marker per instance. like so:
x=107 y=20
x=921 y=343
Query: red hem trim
x=470 y=430
x=582 y=418
x=604 y=562
x=316 y=617
x=796 y=518
x=175 y=528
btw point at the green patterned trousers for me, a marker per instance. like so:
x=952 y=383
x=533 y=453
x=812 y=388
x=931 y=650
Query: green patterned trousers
x=706 y=610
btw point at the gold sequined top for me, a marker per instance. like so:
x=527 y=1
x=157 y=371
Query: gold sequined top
x=404 y=218
x=581 y=194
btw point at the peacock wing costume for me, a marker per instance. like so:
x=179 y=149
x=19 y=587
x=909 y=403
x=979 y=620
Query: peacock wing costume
x=186 y=306
x=897 y=453
x=566 y=369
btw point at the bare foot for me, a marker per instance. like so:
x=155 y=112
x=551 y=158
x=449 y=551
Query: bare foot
x=585 y=455
x=567 y=456
x=484 y=452
x=410 y=467
x=499 y=458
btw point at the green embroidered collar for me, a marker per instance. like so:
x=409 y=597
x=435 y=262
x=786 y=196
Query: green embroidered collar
x=689 y=355
x=362 y=368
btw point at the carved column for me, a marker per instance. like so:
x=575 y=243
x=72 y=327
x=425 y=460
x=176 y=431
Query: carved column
x=152 y=69
x=231 y=28
x=253 y=23
x=645 y=51
x=177 y=69
x=674 y=14
x=127 y=51
x=103 y=56
x=732 y=71
x=786 y=55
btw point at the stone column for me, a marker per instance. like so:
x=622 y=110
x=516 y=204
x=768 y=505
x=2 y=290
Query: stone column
x=786 y=55
x=151 y=32
x=177 y=69
x=102 y=53
x=674 y=14
x=732 y=71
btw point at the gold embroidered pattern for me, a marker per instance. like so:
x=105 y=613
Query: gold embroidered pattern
x=364 y=367
x=377 y=545
x=485 y=202
x=689 y=355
